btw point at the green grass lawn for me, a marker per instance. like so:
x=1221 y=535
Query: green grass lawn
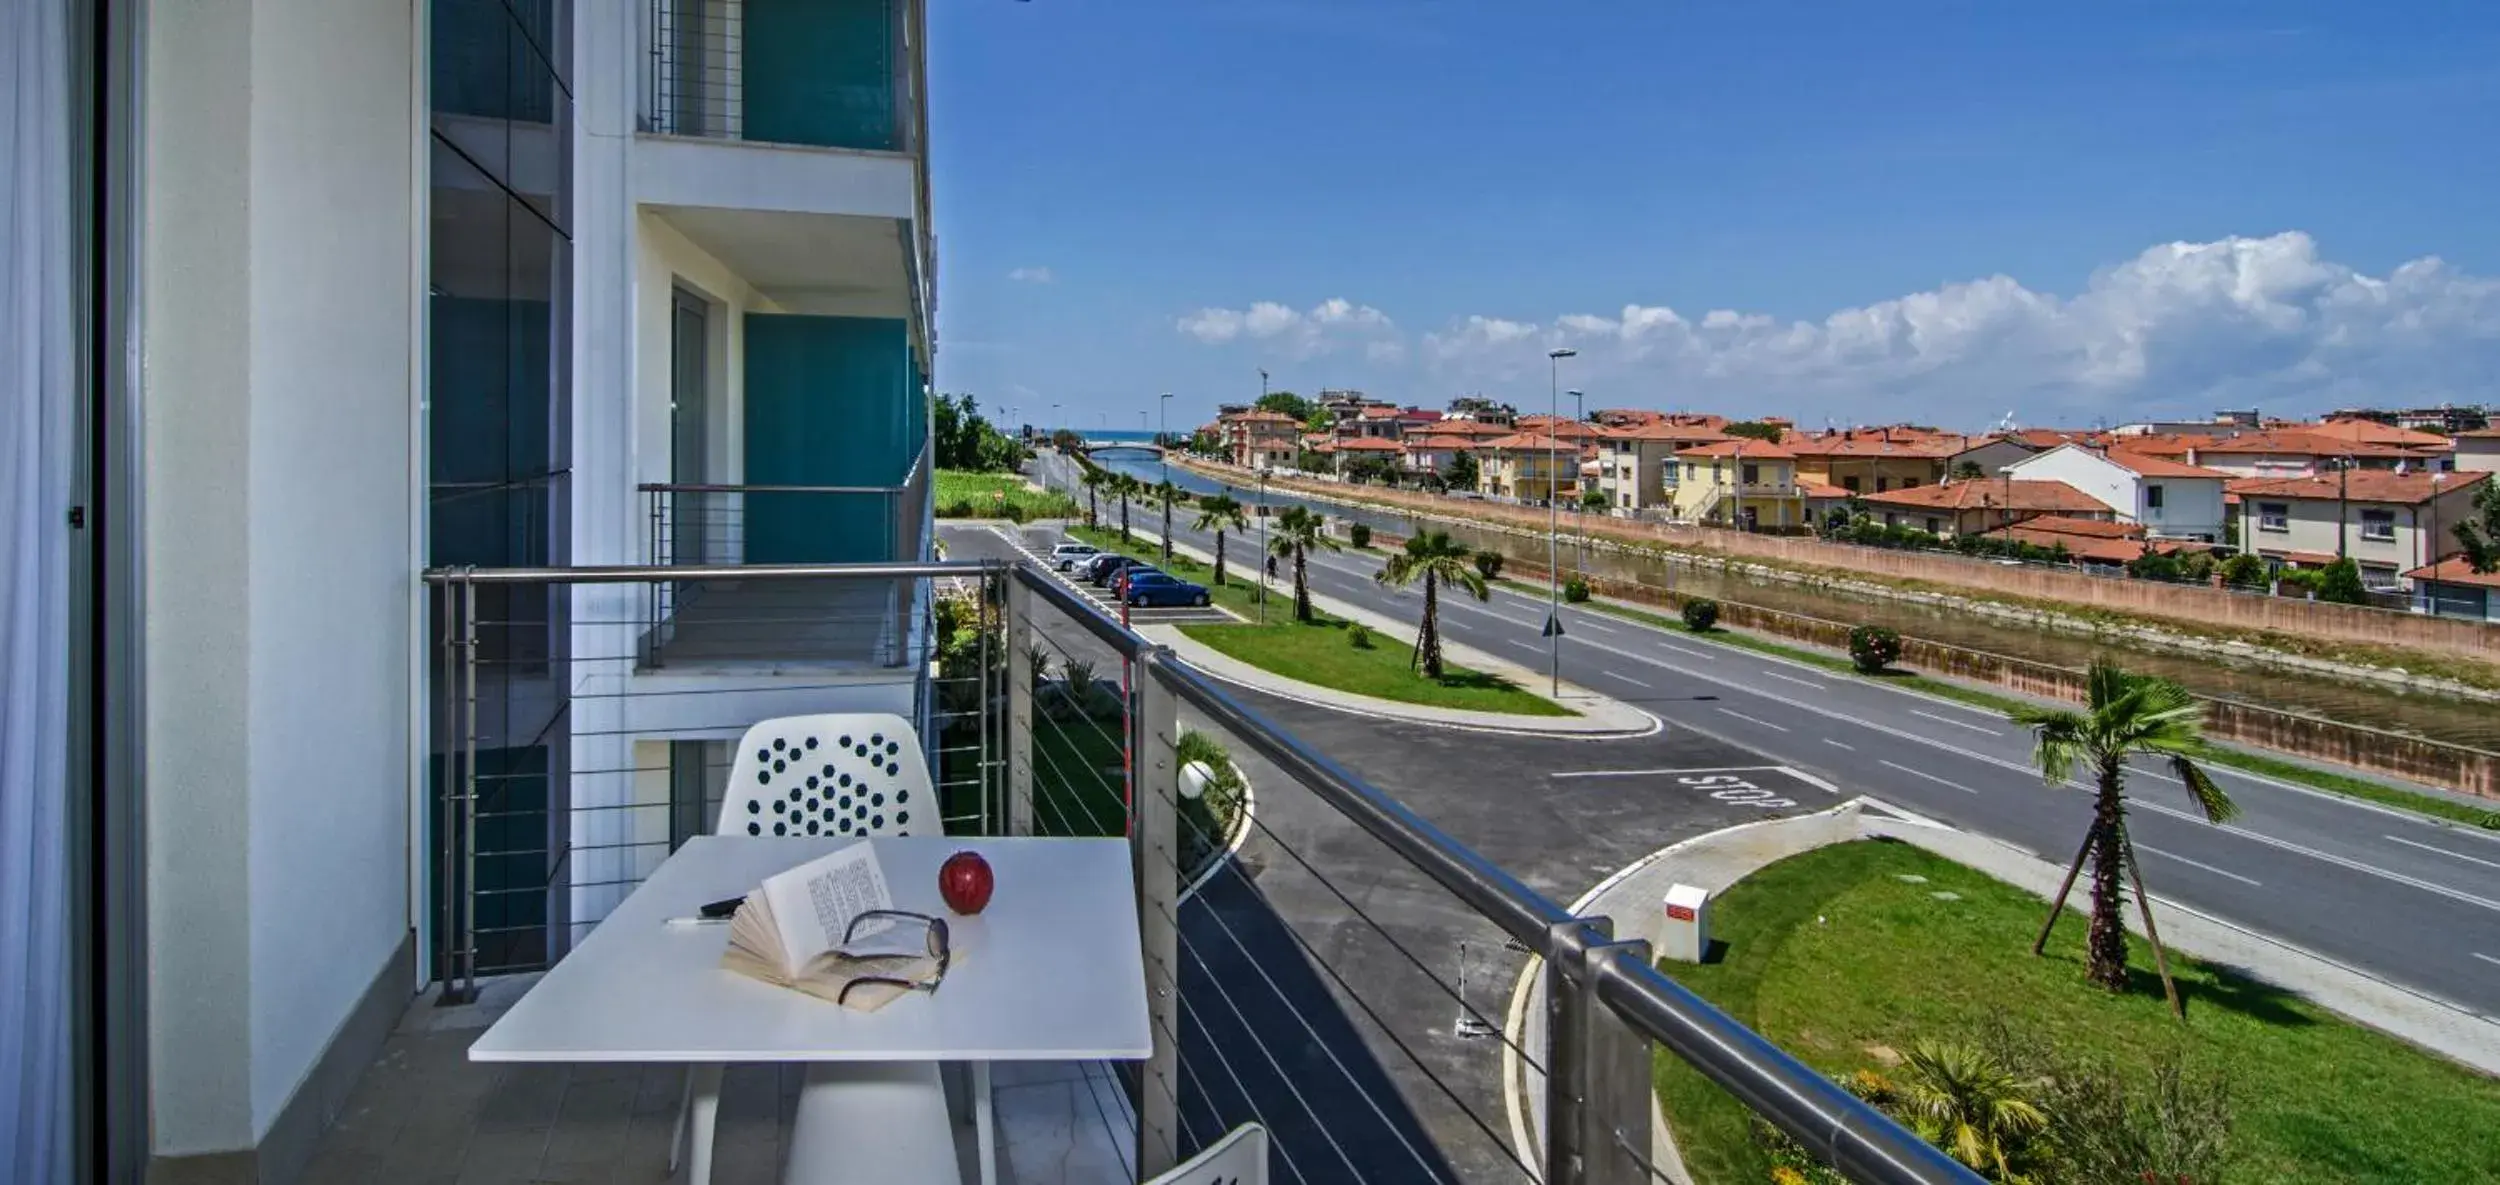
x=1838 y=960
x=1319 y=652
x=990 y=495
x=2256 y=763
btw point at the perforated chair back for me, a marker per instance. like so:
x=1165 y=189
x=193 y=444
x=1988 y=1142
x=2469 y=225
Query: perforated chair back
x=1240 y=1158
x=834 y=774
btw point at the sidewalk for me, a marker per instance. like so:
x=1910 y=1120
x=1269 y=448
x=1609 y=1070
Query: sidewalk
x=1600 y=716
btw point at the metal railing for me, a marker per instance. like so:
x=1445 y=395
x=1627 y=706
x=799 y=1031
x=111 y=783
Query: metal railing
x=703 y=525
x=706 y=77
x=1281 y=986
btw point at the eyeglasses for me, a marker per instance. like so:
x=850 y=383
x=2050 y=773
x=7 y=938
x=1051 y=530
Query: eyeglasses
x=934 y=943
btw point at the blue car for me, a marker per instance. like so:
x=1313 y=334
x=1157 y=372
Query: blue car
x=1150 y=590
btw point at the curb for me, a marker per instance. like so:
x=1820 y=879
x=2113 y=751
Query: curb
x=1231 y=850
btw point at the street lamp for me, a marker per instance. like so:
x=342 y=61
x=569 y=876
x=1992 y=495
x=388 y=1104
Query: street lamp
x=1553 y=523
x=1163 y=433
x=1263 y=553
x=1579 y=508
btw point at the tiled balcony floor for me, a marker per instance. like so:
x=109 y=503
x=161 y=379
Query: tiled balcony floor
x=424 y=1113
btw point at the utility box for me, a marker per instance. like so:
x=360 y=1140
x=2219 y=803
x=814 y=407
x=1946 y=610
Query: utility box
x=1685 y=936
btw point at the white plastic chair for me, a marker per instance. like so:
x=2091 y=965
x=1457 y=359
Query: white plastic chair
x=1240 y=1158
x=859 y=774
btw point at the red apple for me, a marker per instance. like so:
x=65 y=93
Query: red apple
x=965 y=881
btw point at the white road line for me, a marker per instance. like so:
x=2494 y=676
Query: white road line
x=1629 y=679
x=2198 y=864
x=1591 y=621
x=2328 y=857
x=2484 y=957
x=1955 y=723
x=1801 y=682
x=1643 y=773
x=1753 y=719
x=1705 y=657
x=2445 y=852
x=1838 y=745
x=1810 y=779
x=1920 y=773
x=1527 y=645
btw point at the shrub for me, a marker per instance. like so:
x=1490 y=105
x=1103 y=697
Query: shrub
x=1576 y=589
x=1874 y=647
x=1359 y=534
x=1013 y=512
x=1488 y=564
x=2244 y=571
x=959 y=508
x=1700 y=614
x=2341 y=582
x=1359 y=636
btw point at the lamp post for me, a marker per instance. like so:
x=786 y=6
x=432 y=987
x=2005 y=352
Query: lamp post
x=1553 y=523
x=1263 y=554
x=1163 y=433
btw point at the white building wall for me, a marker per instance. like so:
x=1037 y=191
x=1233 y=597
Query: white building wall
x=2191 y=506
x=279 y=285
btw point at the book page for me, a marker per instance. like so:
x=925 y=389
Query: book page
x=814 y=901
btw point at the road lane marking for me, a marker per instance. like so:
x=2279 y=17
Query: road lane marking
x=1686 y=650
x=1793 y=679
x=2484 y=957
x=2329 y=857
x=1629 y=679
x=2445 y=852
x=1920 y=773
x=1838 y=745
x=1591 y=622
x=1526 y=645
x=1955 y=723
x=1643 y=773
x=1754 y=719
x=2198 y=864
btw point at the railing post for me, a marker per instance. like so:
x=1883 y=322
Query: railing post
x=1155 y=841
x=1018 y=634
x=1597 y=1079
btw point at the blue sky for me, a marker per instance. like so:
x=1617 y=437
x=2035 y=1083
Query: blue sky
x=1843 y=210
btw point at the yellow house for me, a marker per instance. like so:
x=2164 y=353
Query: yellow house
x=1873 y=461
x=1740 y=483
x=1527 y=467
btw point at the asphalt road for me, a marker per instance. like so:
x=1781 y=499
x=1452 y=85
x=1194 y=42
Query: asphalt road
x=1318 y=945
x=2407 y=899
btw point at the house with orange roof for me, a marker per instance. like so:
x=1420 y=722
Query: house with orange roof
x=2355 y=428
x=2452 y=588
x=1257 y=439
x=1980 y=505
x=2300 y=452
x=1530 y=467
x=2171 y=499
x=2388 y=523
x=1874 y=460
x=2477 y=451
x=1435 y=451
x=1636 y=467
x=1739 y=482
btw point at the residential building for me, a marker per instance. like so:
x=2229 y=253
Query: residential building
x=2446 y=420
x=1351 y=451
x=2388 y=523
x=2297 y=452
x=1481 y=410
x=1738 y=482
x=1874 y=460
x=1435 y=452
x=2087 y=540
x=2171 y=499
x=1980 y=505
x=2452 y=588
x=1636 y=462
x=1530 y=467
x=1259 y=439
x=2477 y=451
x=1992 y=453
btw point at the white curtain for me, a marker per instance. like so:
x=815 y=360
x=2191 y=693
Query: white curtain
x=37 y=343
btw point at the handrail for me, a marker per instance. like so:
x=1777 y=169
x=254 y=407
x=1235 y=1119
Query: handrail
x=637 y=573
x=674 y=487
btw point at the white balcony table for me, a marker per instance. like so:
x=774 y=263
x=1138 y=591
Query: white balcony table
x=1051 y=971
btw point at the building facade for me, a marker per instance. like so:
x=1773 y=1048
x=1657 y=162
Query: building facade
x=1739 y=483
x=2171 y=499
x=2388 y=523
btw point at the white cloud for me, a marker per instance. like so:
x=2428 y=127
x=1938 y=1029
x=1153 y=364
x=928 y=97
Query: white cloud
x=2183 y=327
x=1323 y=328
x=1031 y=275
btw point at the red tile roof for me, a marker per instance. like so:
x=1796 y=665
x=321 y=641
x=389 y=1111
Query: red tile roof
x=1739 y=447
x=2303 y=442
x=2046 y=496
x=2358 y=485
x=1369 y=444
x=2371 y=431
x=1435 y=442
x=2083 y=527
x=1816 y=489
x=2146 y=465
x=1667 y=431
x=2454 y=570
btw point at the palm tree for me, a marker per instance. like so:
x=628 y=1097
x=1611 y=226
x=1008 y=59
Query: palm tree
x=1438 y=560
x=1096 y=479
x=1220 y=513
x=1965 y=1101
x=1167 y=493
x=2123 y=714
x=1298 y=533
x=1124 y=488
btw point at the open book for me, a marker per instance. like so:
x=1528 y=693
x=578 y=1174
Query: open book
x=797 y=930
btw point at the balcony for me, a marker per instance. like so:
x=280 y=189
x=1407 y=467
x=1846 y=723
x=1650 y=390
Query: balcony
x=798 y=73
x=1284 y=988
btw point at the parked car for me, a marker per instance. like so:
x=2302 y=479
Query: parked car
x=1087 y=569
x=1067 y=556
x=1118 y=584
x=1100 y=572
x=1146 y=589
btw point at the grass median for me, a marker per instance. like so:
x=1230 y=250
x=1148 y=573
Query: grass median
x=1849 y=956
x=2348 y=785
x=1322 y=652
x=963 y=494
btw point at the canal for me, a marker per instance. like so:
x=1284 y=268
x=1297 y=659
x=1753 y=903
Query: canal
x=2419 y=713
